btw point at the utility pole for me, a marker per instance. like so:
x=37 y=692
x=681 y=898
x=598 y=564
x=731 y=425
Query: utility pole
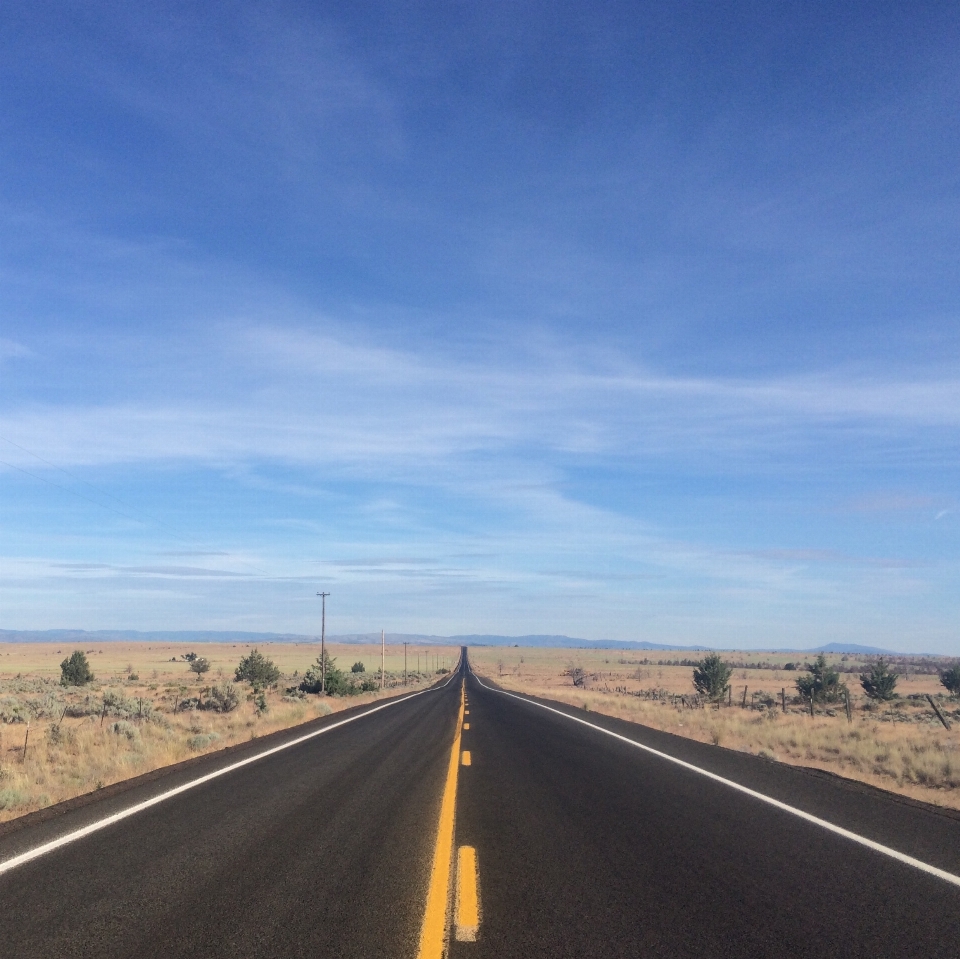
x=405 y=663
x=323 y=645
x=383 y=654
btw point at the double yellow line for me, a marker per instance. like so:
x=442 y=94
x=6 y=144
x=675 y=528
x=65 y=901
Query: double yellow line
x=433 y=931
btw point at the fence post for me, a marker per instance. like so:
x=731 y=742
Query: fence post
x=26 y=739
x=930 y=699
x=783 y=698
x=846 y=696
x=743 y=705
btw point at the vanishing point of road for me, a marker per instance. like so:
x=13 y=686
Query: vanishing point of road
x=469 y=822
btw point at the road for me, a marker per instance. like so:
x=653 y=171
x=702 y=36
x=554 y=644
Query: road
x=585 y=845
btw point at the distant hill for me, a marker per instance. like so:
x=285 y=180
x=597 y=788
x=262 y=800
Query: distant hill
x=226 y=636
x=850 y=648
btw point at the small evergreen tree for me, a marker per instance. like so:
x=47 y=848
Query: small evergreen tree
x=336 y=679
x=257 y=670
x=75 y=671
x=881 y=682
x=823 y=684
x=950 y=679
x=357 y=668
x=199 y=665
x=711 y=676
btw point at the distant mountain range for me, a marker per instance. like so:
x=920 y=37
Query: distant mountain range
x=226 y=636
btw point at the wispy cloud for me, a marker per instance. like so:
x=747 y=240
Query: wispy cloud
x=344 y=402
x=10 y=349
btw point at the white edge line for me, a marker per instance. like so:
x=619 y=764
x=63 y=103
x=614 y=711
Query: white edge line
x=822 y=823
x=10 y=864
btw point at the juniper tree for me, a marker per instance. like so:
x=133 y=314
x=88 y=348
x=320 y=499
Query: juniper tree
x=711 y=676
x=75 y=671
x=199 y=665
x=950 y=679
x=881 y=682
x=823 y=682
x=337 y=683
x=257 y=670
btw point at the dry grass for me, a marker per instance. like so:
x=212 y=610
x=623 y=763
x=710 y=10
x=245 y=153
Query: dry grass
x=900 y=747
x=80 y=750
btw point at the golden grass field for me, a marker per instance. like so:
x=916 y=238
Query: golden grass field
x=84 y=749
x=900 y=746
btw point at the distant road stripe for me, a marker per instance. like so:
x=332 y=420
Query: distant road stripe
x=822 y=823
x=93 y=827
x=434 y=929
x=466 y=757
x=468 y=897
x=466 y=725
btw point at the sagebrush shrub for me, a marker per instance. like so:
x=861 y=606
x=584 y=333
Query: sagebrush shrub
x=122 y=728
x=223 y=698
x=201 y=740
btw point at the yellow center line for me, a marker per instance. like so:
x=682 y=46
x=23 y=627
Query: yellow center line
x=434 y=928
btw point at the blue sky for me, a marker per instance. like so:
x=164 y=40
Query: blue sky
x=628 y=321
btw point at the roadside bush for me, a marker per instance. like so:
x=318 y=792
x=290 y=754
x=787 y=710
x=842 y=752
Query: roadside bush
x=122 y=728
x=223 y=698
x=58 y=736
x=199 y=665
x=337 y=683
x=257 y=670
x=117 y=704
x=880 y=683
x=11 y=798
x=358 y=668
x=12 y=710
x=75 y=670
x=711 y=676
x=201 y=741
x=823 y=684
x=369 y=686
x=950 y=679
x=577 y=675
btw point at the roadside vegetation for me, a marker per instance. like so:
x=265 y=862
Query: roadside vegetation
x=866 y=718
x=71 y=725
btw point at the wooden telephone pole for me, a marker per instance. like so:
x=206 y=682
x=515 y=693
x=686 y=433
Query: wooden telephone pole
x=323 y=645
x=383 y=654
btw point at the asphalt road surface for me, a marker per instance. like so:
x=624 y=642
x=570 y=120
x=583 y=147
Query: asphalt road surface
x=585 y=846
